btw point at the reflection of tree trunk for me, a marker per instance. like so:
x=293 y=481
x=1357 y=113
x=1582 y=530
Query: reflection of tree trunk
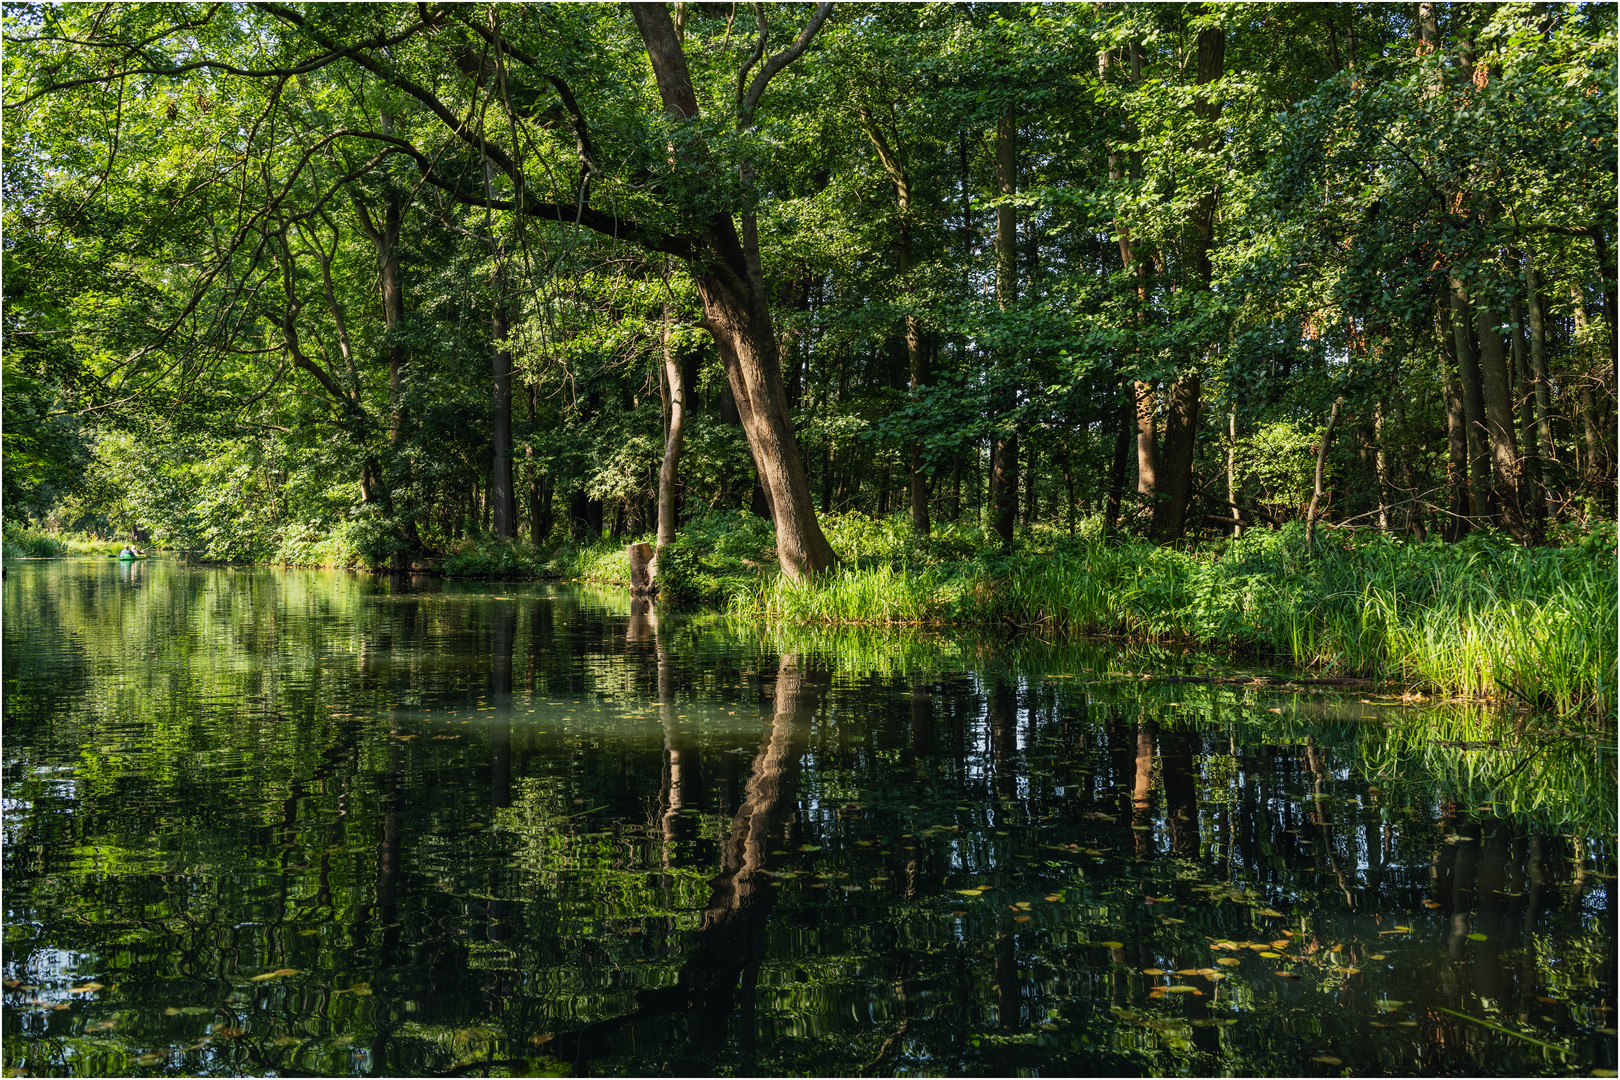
x=1180 y=793
x=1322 y=818
x=1142 y=794
x=730 y=940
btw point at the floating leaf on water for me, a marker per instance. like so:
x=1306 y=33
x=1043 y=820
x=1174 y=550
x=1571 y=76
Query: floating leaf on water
x=1352 y=971
x=1023 y=918
x=968 y=892
x=1180 y=989
x=1269 y=955
x=809 y=847
x=1327 y=1059
x=1153 y=971
x=171 y=1011
x=1285 y=974
x=1284 y=943
x=1477 y=936
x=1112 y=944
x=1054 y=898
x=276 y=974
x=539 y=1039
x=1431 y=905
x=87 y=988
x=1229 y=961
x=149 y=1059
x=1272 y=912
x=1376 y=956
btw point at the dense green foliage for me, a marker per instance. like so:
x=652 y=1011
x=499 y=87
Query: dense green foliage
x=250 y=272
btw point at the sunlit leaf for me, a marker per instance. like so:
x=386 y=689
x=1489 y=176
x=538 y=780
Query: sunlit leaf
x=1112 y=944
x=1477 y=936
x=1286 y=974
x=1153 y=971
x=1229 y=961
x=1326 y=1059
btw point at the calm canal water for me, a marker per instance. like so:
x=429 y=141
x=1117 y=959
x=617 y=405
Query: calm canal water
x=265 y=822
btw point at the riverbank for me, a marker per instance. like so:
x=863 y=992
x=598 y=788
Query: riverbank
x=1482 y=618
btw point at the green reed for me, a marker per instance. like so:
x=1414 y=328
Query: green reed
x=1481 y=619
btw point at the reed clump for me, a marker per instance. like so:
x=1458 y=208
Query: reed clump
x=1479 y=618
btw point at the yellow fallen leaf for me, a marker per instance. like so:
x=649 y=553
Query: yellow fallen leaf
x=1376 y=956
x=1153 y=971
x=276 y=974
x=1229 y=961
x=1023 y=918
x=1269 y=955
x=968 y=892
x=1182 y=990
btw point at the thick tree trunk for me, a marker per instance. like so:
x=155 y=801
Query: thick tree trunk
x=1176 y=459
x=1147 y=441
x=729 y=278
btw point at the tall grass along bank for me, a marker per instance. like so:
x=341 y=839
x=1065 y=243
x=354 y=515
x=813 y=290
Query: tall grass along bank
x=1479 y=618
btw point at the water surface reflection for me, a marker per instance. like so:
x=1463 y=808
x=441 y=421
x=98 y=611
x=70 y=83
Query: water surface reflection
x=312 y=823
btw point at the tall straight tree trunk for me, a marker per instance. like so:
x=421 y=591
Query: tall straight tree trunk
x=916 y=355
x=1473 y=398
x=1182 y=397
x=668 y=471
x=1231 y=471
x=1116 y=468
x=1004 y=470
x=1530 y=498
x=502 y=493
x=1381 y=465
x=1147 y=441
x=1456 y=461
x=1497 y=391
x=1538 y=364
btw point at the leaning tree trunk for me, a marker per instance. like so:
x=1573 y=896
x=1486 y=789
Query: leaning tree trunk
x=726 y=268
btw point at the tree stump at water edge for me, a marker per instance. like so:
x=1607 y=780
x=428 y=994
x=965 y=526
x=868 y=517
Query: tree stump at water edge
x=641 y=568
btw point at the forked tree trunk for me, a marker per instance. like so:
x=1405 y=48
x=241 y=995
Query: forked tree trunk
x=726 y=269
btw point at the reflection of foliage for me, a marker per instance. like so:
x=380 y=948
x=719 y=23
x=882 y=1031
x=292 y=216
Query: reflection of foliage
x=314 y=822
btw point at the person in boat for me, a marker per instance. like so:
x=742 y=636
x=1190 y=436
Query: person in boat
x=129 y=552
